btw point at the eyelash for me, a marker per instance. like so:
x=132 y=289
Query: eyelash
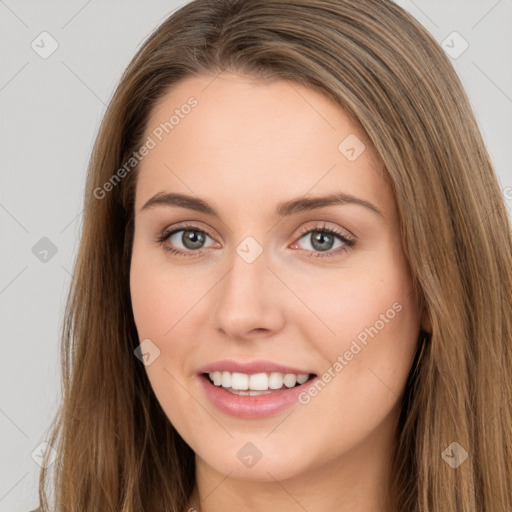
x=349 y=243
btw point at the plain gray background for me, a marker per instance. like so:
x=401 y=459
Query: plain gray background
x=51 y=111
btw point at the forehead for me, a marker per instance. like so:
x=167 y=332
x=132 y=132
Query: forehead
x=214 y=136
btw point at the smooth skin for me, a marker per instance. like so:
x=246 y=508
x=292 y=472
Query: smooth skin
x=245 y=147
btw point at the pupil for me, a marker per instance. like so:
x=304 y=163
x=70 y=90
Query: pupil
x=192 y=239
x=319 y=241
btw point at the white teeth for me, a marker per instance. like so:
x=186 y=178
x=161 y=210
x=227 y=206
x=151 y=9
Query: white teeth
x=239 y=381
x=275 y=381
x=302 y=378
x=226 y=379
x=257 y=381
x=290 y=380
x=216 y=377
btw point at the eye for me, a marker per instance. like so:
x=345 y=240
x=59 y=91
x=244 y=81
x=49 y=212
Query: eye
x=322 y=240
x=191 y=238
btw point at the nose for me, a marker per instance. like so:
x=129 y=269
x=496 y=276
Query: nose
x=250 y=300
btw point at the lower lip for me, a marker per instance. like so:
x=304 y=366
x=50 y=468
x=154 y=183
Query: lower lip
x=251 y=407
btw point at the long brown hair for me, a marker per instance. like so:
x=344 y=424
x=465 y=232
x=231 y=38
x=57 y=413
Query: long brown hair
x=116 y=449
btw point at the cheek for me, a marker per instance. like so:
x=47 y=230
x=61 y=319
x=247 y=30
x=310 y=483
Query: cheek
x=160 y=297
x=367 y=362
x=352 y=301
x=374 y=322
x=159 y=310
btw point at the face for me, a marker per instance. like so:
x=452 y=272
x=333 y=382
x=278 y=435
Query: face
x=280 y=327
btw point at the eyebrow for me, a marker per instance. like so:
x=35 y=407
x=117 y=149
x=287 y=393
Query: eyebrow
x=283 y=209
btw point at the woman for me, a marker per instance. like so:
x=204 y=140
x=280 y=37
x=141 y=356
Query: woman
x=293 y=284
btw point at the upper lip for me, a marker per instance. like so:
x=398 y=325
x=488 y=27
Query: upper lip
x=250 y=367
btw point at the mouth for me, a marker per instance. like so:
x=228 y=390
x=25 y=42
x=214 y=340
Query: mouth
x=253 y=395
x=256 y=384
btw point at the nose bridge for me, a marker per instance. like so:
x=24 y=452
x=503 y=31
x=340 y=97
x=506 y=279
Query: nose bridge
x=247 y=297
x=247 y=280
